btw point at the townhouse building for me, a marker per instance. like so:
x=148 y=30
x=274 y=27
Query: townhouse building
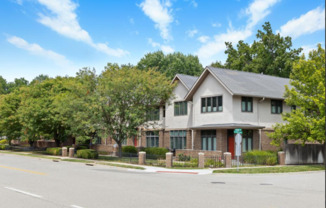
x=205 y=110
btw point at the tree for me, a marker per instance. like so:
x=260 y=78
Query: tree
x=10 y=125
x=271 y=54
x=171 y=64
x=307 y=122
x=218 y=64
x=11 y=86
x=126 y=94
x=40 y=78
x=3 y=86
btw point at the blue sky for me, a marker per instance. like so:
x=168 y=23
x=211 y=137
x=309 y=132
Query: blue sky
x=58 y=37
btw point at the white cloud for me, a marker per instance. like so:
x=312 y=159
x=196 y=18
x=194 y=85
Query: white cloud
x=308 y=23
x=160 y=14
x=63 y=20
x=165 y=48
x=192 y=33
x=216 y=24
x=203 y=39
x=256 y=11
x=38 y=50
x=307 y=48
x=20 y=2
x=194 y=3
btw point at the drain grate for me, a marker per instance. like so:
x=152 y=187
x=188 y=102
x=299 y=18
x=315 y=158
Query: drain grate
x=217 y=182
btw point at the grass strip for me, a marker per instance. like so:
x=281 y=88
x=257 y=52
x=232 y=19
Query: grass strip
x=283 y=169
x=123 y=166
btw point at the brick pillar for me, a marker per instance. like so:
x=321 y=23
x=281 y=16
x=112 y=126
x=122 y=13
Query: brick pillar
x=142 y=158
x=169 y=159
x=64 y=152
x=71 y=152
x=281 y=158
x=227 y=159
x=201 y=160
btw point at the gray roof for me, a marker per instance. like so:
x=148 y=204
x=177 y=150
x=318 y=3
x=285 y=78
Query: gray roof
x=188 y=80
x=228 y=126
x=251 y=84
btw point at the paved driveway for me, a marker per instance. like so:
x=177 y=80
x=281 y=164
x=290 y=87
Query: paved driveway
x=41 y=183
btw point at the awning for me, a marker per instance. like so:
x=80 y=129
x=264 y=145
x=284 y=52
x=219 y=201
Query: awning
x=228 y=126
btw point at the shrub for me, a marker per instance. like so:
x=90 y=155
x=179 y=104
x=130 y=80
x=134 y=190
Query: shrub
x=54 y=151
x=260 y=157
x=129 y=149
x=87 y=154
x=81 y=147
x=3 y=141
x=158 y=152
x=183 y=157
x=4 y=146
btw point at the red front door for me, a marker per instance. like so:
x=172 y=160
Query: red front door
x=231 y=145
x=135 y=141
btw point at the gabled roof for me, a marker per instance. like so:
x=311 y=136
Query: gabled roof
x=187 y=80
x=244 y=83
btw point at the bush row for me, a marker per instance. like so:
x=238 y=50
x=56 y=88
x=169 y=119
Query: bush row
x=3 y=141
x=87 y=154
x=4 y=146
x=54 y=151
x=260 y=157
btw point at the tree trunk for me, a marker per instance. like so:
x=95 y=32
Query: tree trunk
x=56 y=139
x=31 y=143
x=120 y=150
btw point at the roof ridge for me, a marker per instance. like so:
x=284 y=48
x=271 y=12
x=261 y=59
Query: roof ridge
x=187 y=75
x=245 y=72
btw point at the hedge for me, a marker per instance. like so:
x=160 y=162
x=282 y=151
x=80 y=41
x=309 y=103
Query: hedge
x=54 y=151
x=87 y=154
x=129 y=149
x=260 y=157
x=4 y=146
x=157 y=152
x=3 y=141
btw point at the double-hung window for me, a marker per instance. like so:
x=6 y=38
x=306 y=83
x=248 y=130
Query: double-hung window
x=208 y=140
x=180 y=108
x=246 y=104
x=247 y=140
x=276 y=106
x=178 y=139
x=153 y=115
x=152 y=139
x=212 y=104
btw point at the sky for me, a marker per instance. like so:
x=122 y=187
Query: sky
x=59 y=37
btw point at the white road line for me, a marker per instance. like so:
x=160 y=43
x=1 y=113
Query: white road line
x=23 y=192
x=75 y=206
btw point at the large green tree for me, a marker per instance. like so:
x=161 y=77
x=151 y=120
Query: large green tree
x=126 y=94
x=270 y=54
x=307 y=122
x=171 y=64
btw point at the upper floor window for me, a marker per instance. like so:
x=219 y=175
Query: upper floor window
x=152 y=139
x=246 y=104
x=180 y=108
x=212 y=104
x=153 y=115
x=163 y=111
x=277 y=106
x=178 y=139
x=293 y=107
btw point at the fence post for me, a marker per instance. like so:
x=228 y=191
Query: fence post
x=201 y=160
x=227 y=159
x=71 y=152
x=64 y=152
x=169 y=159
x=281 y=158
x=142 y=158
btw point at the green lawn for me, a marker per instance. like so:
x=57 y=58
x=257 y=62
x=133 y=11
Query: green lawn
x=283 y=169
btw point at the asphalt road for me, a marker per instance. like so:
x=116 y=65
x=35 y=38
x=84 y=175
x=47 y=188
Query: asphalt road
x=41 y=183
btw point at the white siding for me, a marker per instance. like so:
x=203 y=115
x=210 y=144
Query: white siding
x=178 y=122
x=211 y=87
